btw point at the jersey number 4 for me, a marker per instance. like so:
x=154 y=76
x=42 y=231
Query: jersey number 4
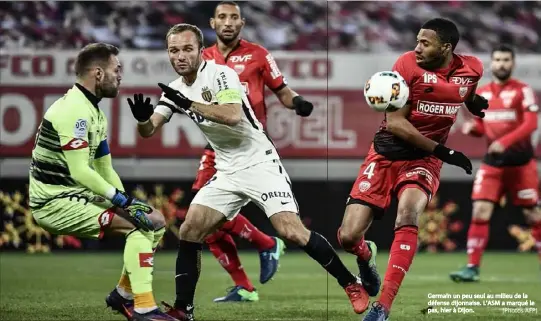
x=369 y=170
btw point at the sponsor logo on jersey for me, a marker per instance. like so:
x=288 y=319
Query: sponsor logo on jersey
x=462 y=91
x=430 y=78
x=420 y=171
x=80 y=128
x=237 y=59
x=275 y=194
x=75 y=143
x=106 y=218
x=206 y=94
x=275 y=71
x=146 y=259
x=438 y=109
x=500 y=115
x=462 y=81
x=529 y=193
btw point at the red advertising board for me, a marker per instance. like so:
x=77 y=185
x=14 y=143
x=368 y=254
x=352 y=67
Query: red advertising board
x=341 y=126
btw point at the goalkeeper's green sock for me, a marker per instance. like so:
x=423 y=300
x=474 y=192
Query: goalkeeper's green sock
x=158 y=234
x=124 y=286
x=139 y=262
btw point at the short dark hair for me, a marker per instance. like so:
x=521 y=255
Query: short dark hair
x=445 y=29
x=226 y=3
x=504 y=48
x=181 y=27
x=94 y=53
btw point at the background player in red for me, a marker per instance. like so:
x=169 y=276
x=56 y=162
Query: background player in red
x=256 y=69
x=509 y=165
x=406 y=156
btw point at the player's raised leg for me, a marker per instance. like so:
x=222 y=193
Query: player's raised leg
x=290 y=227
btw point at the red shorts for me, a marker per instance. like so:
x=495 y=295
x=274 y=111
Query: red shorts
x=521 y=182
x=206 y=170
x=380 y=179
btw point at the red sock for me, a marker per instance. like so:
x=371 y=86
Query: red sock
x=240 y=226
x=477 y=241
x=400 y=258
x=224 y=249
x=536 y=233
x=360 y=249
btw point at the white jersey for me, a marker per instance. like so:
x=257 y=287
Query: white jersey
x=236 y=147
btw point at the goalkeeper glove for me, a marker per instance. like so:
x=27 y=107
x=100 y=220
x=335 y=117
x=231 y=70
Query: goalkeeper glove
x=176 y=96
x=453 y=157
x=303 y=107
x=141 y=110
x=136 y=209
x=477 y=105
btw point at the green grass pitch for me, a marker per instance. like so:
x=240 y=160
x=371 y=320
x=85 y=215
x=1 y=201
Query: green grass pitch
x=73 y=287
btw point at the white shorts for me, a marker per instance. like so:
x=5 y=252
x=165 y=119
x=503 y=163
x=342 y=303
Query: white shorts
x=266 y=184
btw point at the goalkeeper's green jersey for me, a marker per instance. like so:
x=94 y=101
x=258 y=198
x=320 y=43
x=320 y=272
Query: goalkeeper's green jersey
x=72 y=134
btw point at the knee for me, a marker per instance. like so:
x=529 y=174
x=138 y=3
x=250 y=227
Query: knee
x=296 y=234
x=532 y=215
x=407 y=215
x=157 y=219
x=348 y=237
x=482 y=210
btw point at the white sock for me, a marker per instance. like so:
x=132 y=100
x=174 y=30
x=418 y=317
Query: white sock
x=123 y=293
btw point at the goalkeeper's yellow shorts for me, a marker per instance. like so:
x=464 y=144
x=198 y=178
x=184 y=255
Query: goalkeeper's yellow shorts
x=83 y=215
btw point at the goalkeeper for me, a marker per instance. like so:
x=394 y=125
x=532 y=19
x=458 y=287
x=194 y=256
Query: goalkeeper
x=74 y=189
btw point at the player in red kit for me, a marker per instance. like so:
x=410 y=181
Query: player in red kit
x=256 y=69
x=406 y=156
x=509 y=165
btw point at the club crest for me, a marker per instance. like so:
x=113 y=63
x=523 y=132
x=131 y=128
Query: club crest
x=206 y=94
x=463 y=91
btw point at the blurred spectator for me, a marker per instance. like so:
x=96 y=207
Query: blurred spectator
x=371 y=26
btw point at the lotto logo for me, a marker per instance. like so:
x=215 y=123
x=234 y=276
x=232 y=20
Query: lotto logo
x=405 y=247
x=106 y=218
x=75 y=143
x=146 y=259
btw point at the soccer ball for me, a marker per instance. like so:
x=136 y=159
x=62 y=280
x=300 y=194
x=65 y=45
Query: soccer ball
x=386 y=89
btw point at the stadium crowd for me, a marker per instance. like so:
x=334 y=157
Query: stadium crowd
x=372 y=26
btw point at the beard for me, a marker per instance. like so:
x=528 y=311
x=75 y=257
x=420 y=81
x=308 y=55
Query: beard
x=229 y=38
x=502 y=74
x=107 y=88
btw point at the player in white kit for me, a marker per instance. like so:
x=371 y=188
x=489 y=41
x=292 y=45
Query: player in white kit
x=248 y=166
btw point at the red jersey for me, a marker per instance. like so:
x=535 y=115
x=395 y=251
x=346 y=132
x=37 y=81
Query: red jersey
x=435 y=98
x=256 y=68
x=510 y=119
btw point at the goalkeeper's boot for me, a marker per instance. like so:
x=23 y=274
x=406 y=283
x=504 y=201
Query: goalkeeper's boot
x=181 y=314
x=154 y=315
x=239 y=294
x=368 y=272
x=466 y=274
x=117 y=303
x=377 y=313
x=357 y=296
x=270 y=260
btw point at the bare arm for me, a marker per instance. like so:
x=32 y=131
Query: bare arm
x=226 y=114
x=151 y=126
x=399 y=125
x=286 y=95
